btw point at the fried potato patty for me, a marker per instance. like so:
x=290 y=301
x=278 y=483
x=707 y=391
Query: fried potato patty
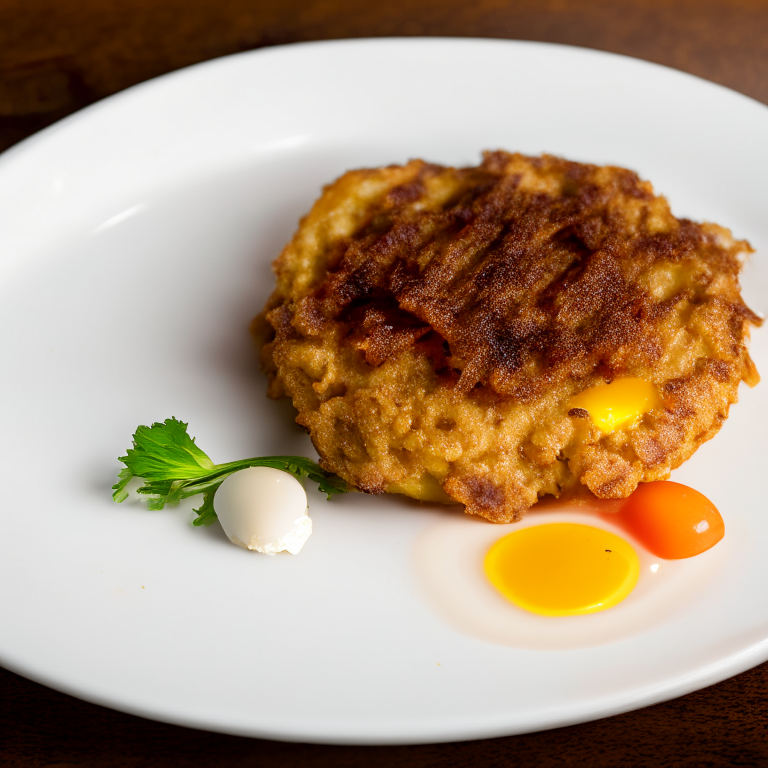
x=432 y=324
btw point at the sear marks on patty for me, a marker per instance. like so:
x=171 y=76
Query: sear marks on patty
x=486 y=297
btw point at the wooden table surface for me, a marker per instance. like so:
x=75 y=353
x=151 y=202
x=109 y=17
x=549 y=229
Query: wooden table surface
x=57 y=56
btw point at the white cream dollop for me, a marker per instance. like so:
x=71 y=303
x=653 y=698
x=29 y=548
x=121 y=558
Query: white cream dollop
x=264 y=509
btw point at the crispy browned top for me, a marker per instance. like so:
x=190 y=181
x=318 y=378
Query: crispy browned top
x=528 y=270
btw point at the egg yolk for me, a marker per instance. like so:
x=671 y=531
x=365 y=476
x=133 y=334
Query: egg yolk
x=563 y=569
x=671 y=520
x=613 y=405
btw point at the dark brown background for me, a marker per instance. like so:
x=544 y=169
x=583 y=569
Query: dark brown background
x=57 y=56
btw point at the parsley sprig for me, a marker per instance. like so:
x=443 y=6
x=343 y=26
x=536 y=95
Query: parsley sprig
x=172 y=467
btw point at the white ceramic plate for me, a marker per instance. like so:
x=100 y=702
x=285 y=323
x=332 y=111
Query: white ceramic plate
x=136 y=239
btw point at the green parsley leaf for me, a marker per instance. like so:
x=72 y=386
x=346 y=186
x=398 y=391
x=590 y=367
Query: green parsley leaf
x=125 y=476
x=165 y=451
x=172 y=468
x=206 y=514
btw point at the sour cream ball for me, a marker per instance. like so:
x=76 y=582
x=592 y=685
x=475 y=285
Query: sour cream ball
x=264 y=509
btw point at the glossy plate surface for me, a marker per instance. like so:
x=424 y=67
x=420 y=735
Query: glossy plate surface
x=135 y=244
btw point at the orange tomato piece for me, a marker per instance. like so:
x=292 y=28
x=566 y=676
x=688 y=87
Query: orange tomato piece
x=672 y=520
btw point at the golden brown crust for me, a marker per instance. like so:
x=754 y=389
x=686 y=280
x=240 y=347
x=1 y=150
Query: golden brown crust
x=432 y=324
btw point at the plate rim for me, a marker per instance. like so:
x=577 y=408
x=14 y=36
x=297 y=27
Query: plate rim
x=162 y=80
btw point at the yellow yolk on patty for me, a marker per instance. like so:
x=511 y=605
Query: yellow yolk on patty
x=613 y=405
